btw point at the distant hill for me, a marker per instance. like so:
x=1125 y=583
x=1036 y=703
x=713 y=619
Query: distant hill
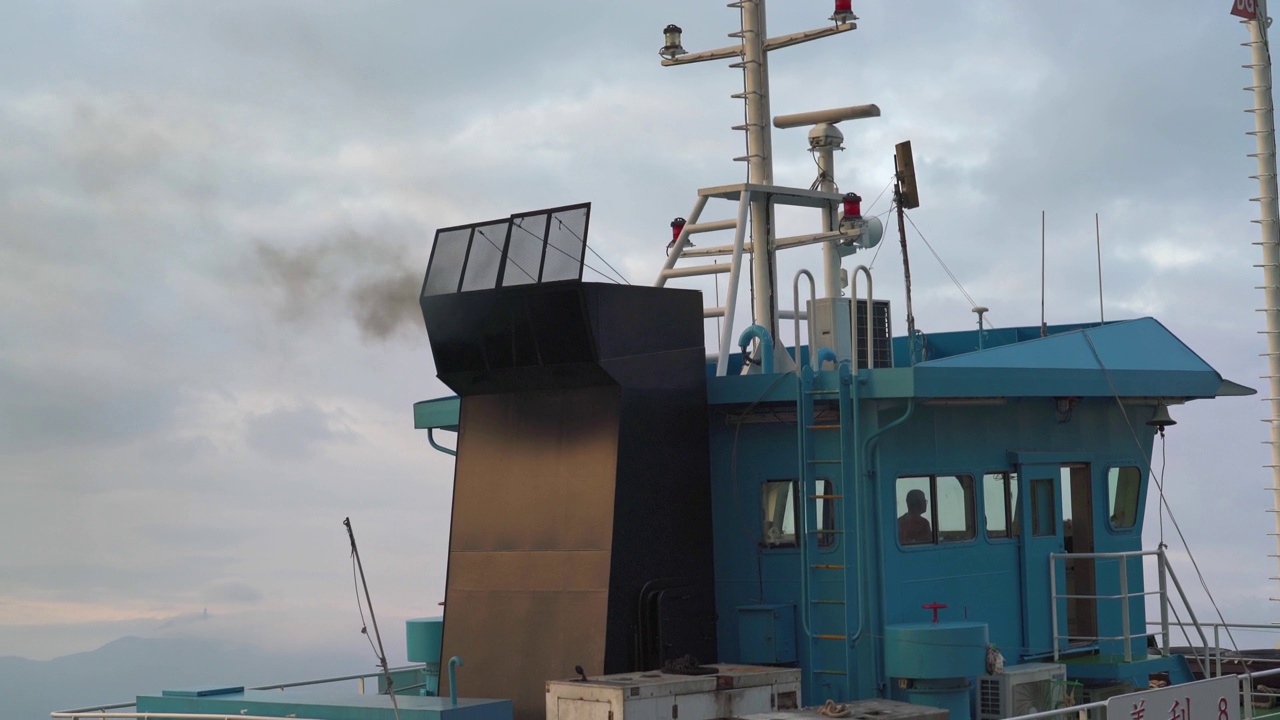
x=125 y=668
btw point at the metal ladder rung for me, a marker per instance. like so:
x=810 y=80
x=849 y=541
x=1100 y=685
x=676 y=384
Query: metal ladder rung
x=827 y=602
x=830 y=637
x=827 y=567
x=841 y=532
x=826 y=497
x=822 y=392
x=835 y=426
x=826 y=462
x=830 y=672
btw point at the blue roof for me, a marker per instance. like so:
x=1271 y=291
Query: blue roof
x=1132 y=358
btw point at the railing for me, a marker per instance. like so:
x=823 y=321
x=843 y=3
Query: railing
x=1248 y=695
x=103 y=711
x=1124 y=597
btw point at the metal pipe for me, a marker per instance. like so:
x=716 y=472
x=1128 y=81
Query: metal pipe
x=681 y=241
x=431 y=438
x=853 y=320
x=1161 y=563
x=795 y=295
x=758 y=333
x=1124 y=614
x=759 y=157
x=1053 y=603
x=825 y=155
x=1269 y=217
x=735 y=274
x=864 y=460
x=454 y=662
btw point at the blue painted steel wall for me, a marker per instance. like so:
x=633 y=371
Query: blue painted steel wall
x=979 y=579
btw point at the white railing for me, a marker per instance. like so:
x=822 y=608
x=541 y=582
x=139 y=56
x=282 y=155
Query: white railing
x=103 y=711
x=1164 y=574
x=1248 y=694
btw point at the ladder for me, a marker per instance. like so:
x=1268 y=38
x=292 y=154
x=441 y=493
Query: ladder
x=826 y=452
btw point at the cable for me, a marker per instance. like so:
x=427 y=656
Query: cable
x=544 y=241
x=592 y=250
x=364 y=624
x=954 y=279
x=1159 y=481
x=509 y=258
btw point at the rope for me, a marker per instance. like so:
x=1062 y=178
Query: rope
x=833 y=710
x=1159 y=481
x=947 y=270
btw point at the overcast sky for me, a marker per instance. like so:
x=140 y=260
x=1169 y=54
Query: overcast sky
x=214 y=217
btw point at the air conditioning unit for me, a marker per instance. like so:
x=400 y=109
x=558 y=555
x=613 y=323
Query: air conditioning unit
x=1022 y=690
x=1096 y=693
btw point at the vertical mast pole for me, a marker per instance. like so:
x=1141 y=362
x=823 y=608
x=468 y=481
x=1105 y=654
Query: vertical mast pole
x=1264 y=134
x=827 y=183
x=759 y=164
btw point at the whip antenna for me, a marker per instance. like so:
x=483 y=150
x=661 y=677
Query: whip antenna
x=382 y=654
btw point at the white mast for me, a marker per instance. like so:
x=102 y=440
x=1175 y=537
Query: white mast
x=1269 y=213
x=752 y=55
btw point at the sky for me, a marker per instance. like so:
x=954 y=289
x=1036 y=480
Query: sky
x=215 y=218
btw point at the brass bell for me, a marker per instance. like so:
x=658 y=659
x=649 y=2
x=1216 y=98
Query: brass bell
x=1160 y=418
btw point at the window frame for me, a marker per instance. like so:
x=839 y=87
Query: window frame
x=826 y=521
x=1008 y=490
x=967 y=483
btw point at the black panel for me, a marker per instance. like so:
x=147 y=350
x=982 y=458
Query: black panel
x=640 y=477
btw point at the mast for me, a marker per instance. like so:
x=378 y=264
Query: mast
x=751 y=55
x=1269 y=213
x=755 y=86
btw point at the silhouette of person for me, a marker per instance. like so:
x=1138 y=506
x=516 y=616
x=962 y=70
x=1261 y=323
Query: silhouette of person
x=913 y=527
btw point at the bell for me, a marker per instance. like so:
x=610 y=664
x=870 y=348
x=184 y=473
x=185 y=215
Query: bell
x=1160 y=418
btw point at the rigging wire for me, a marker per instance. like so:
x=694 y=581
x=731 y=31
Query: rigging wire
x=947 y=270
x=509 y=258
x=592 y=250
x=1159 y=481
x=539 y=238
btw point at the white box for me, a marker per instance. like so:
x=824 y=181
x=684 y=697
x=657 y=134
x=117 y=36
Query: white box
x=734 y=691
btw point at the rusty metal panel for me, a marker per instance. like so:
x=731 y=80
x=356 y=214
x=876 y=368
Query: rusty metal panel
x=536 y=471
x=530 y=543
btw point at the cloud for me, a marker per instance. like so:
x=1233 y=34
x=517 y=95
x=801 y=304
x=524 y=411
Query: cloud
x=296 y=432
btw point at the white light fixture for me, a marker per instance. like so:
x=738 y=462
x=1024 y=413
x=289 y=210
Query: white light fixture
x=671 y=48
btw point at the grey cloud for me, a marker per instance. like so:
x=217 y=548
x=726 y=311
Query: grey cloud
x=291 y=433
x=234 y=592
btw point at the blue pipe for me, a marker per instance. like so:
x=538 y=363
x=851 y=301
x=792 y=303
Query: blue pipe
x=825 y=354
x=432 y=439
x=454 y=662
x=871 y=442
x=757 y=332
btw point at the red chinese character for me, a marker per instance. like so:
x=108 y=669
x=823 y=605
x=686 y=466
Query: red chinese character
x=1181 y=710
x=1139 y=710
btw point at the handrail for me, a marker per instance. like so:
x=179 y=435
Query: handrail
x=169 y=716
x=853 y=318
x=795 y=296
x=1164 y=569
x=84 y=711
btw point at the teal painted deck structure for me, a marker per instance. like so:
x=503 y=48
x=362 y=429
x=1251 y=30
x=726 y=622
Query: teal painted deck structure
x=323 y=705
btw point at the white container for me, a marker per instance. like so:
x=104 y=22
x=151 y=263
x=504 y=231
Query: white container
x=734 y=691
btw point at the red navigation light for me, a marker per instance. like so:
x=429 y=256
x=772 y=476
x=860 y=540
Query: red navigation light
x=844 y=12
x=677 y=226
x=852 y=206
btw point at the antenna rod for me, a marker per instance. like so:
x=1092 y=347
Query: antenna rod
x=382 y=654
x=1044 y=329
x=1097 y=234
x=906 y=265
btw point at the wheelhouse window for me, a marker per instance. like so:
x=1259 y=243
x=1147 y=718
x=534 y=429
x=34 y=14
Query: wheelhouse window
x=1044 y=518
x=999 y=501
x=935 y=509
x=1123 y=487
x=779 y=501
